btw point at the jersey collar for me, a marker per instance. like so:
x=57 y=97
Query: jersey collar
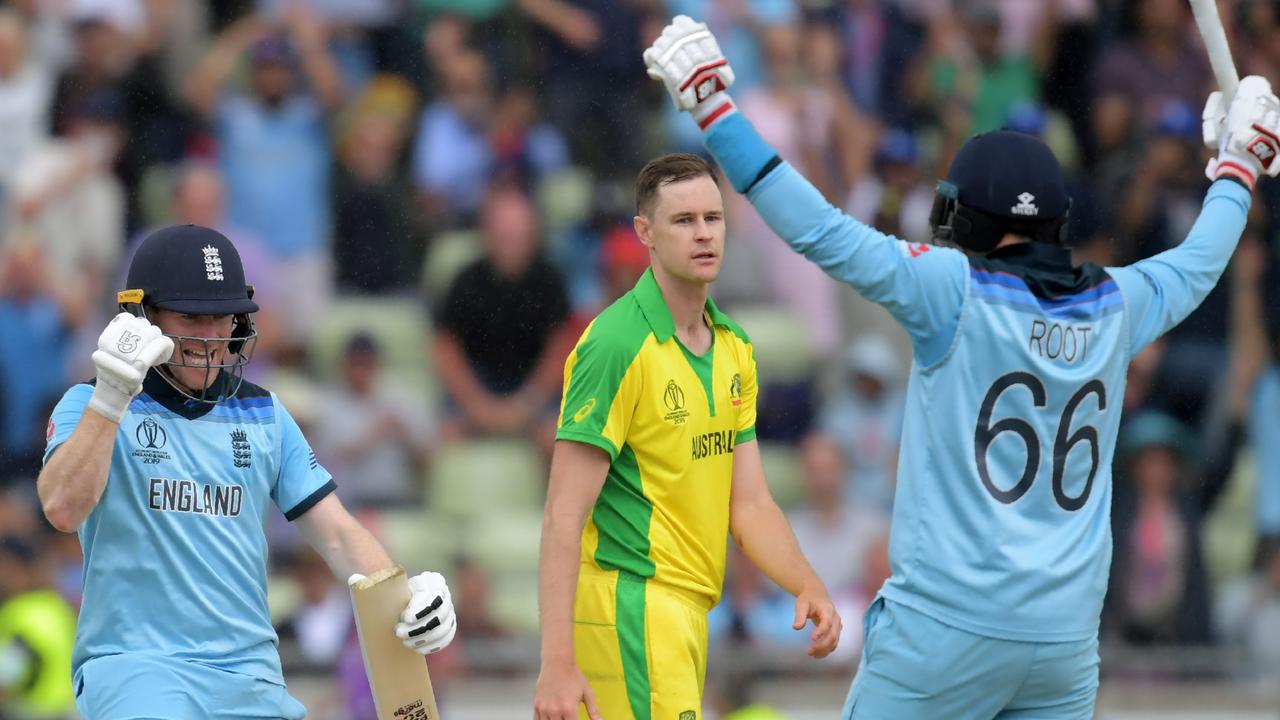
x=649 y=296
x=162 y=392
x=1046 y=269
x=1033 y=253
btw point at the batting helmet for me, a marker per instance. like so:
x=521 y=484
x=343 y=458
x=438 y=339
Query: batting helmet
x=1001 y=182
x=195 y=271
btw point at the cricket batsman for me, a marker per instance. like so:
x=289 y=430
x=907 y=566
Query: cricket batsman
x=655 y=465
x=1001 y=539
x=167 y=464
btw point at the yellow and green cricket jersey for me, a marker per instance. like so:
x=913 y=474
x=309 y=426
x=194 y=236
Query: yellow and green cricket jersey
x=669 y=419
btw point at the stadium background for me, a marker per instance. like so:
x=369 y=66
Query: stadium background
x=433 y=197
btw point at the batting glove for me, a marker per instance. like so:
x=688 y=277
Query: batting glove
x=1248 y=134
x=687 y=59
x=127 y=349
x=428 y=623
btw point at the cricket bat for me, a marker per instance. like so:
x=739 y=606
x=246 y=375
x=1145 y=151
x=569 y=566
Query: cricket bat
x=398 y=676
x=1215 y=44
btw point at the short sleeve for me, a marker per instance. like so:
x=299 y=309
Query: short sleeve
x=746 y=430
x=302 y=481
x=602 y=385
x=66 y=416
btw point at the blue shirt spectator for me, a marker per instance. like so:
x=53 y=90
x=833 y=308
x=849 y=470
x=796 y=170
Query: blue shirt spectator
x=34 y=336
x=276 y=163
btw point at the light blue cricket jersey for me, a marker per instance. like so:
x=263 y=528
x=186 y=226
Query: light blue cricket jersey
x=1001 y=523
x=175 y=553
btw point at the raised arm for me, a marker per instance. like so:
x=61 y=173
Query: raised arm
x=84 y=424
x=1161 y=291
x=213 y=69
x=922 y=286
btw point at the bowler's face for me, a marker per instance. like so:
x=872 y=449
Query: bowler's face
x=686 y=229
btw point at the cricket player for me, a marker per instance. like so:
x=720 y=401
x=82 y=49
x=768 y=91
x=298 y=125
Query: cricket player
x=167 y=464
x=656 y=456
x=1001 y=539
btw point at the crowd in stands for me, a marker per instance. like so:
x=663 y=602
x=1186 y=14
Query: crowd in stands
x=433 y=197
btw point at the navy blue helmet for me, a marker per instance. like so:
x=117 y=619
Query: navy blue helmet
x=1001 y=182
x=195 y=271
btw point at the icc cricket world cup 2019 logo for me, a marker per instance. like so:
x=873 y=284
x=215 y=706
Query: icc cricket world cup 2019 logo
x=151 y=438
x=673 y=398
x=151 y=435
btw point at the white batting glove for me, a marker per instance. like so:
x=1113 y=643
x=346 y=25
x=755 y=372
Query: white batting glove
x=127 y=349
x=428 y=622
x=687 y=59
x=1249 y=134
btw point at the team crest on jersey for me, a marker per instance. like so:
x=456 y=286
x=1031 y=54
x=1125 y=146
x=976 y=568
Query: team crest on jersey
x=673 y=398
x=241 y=452
x=151 y=438
x=735 y=389
x=689 y=715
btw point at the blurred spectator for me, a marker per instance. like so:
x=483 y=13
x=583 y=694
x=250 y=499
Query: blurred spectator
x=115 y=59
x=1259 y=53
x=37 y=631
x=622 y=260
x=879 y=39
x=895 y=199
x=35 y=328
x=833 y=532
x=472 y=134
x=25 y=93
x=1159 y=590
x=1255 y=355
x=475 y=599
x=497 y=327
x=864 y=416
x=1248 y=615
x=372 y=436
x=799 y=119
x=591 y=89
x=753 y=609
x=1163 y=194
x=853 y=135
x=378 y=247
x=63 y=188
x=322 y=623
x=1138 y=76
x=357 y=29
x=273 y=146
x=973 y=77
